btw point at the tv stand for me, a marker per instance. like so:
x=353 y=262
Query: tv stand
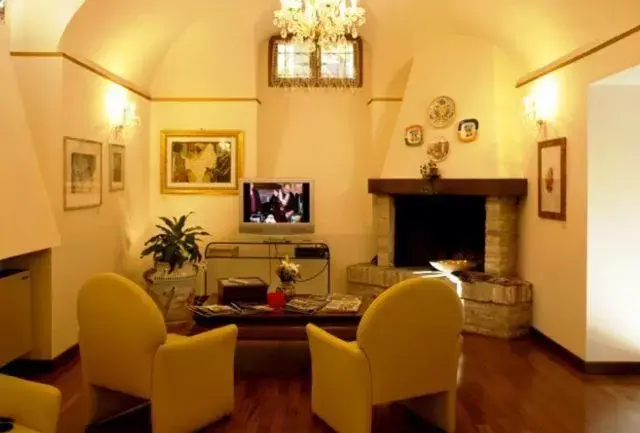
x=276 y=241
x=260 y=257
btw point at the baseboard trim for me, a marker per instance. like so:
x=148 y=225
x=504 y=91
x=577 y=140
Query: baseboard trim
x=592 y=368
x=36 y=367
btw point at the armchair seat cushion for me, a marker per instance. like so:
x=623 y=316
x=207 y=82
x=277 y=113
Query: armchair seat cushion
x=174 y=338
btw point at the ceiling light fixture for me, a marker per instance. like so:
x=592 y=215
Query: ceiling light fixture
x=323 y=23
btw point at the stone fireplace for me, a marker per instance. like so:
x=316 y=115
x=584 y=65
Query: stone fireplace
x=468 y=218
x=474 y=219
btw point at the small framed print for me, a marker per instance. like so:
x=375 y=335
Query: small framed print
x=201 y=162
x=82 y=173
x=552 y=179
x=116 y=167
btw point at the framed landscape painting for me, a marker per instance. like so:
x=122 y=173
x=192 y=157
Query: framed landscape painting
x=552 y=179
x=116 y=167
x=201 y=162
x=82 y=173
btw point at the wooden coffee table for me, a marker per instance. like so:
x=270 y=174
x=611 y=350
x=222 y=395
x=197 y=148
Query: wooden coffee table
x=284 y=325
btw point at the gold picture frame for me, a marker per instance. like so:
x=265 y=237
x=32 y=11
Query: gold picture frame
x=552 y=179
x=201 y=161
x=117 y=167
x=82 y=171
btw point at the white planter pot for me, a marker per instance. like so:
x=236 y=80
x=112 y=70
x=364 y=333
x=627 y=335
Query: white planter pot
x=172 y=291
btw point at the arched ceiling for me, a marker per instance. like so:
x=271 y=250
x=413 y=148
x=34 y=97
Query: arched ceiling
x=131 y=37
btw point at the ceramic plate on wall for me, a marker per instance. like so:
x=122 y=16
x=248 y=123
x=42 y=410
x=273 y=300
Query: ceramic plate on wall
x=468 y=130
x=441 y=112
x=438 y=149
x=414 y=135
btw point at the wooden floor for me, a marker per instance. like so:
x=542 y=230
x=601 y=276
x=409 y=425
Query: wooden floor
x=505 y=387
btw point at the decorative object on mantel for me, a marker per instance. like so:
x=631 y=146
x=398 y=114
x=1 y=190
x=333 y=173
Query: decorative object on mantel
x=429 y=170
x=441 y=112
x=468 y=130
x=288 y=273
x=414 y=135
x=82 y=173
x=172 y=280
x=438 y=149
x=3 y=10
x=552 y=179
x=430 y=173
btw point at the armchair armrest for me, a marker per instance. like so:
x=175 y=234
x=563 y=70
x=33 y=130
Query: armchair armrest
x=32 y=404
x=341 y=386
x=193 y=380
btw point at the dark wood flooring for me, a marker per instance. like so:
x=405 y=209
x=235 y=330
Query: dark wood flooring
x=505 y=387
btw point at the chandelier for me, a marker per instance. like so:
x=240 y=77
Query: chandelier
x=323 y=23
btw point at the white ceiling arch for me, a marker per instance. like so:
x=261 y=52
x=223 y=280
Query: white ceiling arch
x=131 y=37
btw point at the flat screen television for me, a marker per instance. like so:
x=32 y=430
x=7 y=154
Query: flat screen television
x=275 y=207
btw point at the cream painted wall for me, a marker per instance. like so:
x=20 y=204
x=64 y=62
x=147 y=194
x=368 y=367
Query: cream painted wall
x=323 y=134
x=25 y=225
x=613 y=323
x=554 y=254
x=195 y=67
x=63 y=99
x=479 y=77
x=37 y=25
x=217 y=213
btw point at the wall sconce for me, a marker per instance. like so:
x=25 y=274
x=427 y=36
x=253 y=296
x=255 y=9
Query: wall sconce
x=541 y=106
x=121 y=113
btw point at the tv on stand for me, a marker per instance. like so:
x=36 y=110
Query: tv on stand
x=276 y=207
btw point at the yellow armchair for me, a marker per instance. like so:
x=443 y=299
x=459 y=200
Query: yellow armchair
x=35 y=407
x=125 y=350
x=407 y=350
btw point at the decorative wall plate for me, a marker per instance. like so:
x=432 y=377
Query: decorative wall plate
x=441 y=112
x=438 y=149
x=468 y=130
x=414 y=135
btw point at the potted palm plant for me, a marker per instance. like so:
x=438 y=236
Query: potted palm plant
x=176 y=253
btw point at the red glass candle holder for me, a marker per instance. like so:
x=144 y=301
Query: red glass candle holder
x=276 y=299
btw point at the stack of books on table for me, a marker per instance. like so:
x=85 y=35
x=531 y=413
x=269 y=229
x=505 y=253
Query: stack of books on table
x=343 y=304
x=212 y=310
x=305 y=305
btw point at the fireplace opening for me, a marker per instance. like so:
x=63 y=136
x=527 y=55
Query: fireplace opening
x=434 y=227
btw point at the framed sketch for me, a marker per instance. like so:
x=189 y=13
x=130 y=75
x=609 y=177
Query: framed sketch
x=82 y=173
x=201 y=162
x=116 y=167
x=552 y=179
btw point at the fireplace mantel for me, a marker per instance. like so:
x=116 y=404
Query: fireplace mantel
x=516 y=188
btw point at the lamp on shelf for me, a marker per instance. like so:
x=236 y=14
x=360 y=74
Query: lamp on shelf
x=323 y=23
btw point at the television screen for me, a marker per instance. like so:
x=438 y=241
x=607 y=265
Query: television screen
x=271 y=202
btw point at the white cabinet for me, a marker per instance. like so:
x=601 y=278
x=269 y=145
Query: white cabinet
x=15 y=315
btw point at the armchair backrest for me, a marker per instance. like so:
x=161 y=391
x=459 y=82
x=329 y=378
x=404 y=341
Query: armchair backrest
x=121 y=330
x=411 y=337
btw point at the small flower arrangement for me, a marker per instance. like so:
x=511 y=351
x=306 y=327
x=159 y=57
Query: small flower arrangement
x=287 y=271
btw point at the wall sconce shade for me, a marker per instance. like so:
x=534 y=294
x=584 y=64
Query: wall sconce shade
x=121 y=113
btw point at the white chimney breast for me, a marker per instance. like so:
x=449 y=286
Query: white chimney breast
x=27 y=223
